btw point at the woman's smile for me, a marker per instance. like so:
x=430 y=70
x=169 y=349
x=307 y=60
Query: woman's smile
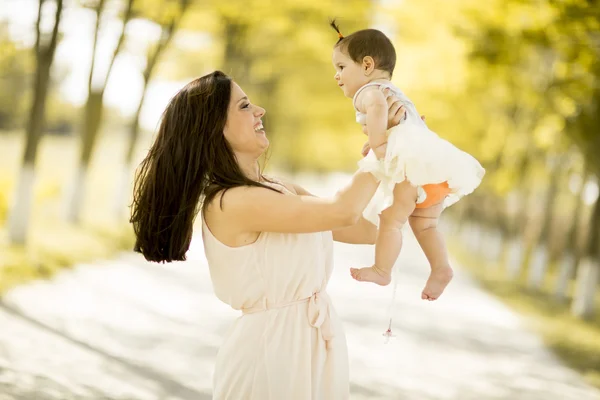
x=258 y=128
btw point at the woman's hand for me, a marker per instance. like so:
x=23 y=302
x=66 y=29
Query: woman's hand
x=365 y=149
x=396 y=110
x=396 y=113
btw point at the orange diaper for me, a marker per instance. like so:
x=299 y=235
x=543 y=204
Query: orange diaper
x=436 y=193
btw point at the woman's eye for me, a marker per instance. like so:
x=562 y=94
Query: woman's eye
x=246 y=105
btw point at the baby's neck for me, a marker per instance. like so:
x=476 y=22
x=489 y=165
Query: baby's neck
x=383 y=78
x=380 y=80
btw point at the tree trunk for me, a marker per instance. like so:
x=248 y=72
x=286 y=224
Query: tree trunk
x=124 y=182
x=517 y=251
x=167 y=34
x=93 y=116
x=21 y=210
x=572 y=256
x=515 y=257
x=236 y=60
x=587 y=275
x=539 y=264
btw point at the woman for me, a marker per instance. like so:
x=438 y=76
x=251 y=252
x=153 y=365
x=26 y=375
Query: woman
x=268 y=243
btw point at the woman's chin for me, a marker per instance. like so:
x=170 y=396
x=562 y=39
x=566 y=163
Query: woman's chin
x=262 y=136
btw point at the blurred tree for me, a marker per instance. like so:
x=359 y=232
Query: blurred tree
x=94 y=106
x=44 y=50
x=589 y=272
x=573 y=249
x=168 y=14
x=549 y=50
x=16 y=71
x=285 y=67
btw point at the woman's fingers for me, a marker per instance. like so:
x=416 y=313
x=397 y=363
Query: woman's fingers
x=365 y=149
x=392 y=101
x=398 y=115
x=396 y=110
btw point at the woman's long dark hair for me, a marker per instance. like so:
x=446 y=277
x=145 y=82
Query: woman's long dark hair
x=189 y=159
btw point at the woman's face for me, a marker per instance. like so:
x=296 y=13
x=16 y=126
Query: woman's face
x=244 y=130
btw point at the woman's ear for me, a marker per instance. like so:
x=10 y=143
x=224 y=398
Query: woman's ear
x=368 y=65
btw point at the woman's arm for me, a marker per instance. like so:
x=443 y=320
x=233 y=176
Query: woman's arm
x=363 y=232
x=254 y=209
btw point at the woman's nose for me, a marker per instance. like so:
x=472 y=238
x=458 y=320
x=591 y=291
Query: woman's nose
x=259 y=111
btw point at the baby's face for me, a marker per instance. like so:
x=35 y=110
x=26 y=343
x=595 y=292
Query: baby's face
x=349 y=75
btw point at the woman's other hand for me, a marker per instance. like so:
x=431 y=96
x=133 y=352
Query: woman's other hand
x=365 y=149
x=396 y=110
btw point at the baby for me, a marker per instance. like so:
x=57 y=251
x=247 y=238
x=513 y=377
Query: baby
x=420 y=173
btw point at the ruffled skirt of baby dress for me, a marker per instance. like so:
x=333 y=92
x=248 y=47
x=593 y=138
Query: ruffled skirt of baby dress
x=417 y=154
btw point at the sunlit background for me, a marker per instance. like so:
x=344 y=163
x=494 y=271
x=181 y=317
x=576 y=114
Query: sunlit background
x=515 y=83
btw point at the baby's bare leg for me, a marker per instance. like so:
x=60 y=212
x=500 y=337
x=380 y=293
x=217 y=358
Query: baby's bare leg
x=424 y=222
x=389 y=236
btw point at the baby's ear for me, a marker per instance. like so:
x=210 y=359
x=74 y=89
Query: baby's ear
x=368 y=65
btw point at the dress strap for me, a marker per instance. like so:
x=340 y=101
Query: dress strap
x=381 y=85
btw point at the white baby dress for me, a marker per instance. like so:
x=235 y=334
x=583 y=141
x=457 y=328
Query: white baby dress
x=419 y=155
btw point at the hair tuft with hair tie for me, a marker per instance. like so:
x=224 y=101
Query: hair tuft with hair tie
x=336 y=28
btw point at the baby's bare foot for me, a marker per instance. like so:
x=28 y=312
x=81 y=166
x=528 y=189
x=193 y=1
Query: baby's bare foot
x=371 y=274
x=437 y=282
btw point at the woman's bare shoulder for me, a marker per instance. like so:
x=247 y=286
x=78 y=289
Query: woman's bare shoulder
x=286 y=183
x=294 y=187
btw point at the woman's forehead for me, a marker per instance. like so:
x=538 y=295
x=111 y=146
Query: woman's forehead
x=236 y=93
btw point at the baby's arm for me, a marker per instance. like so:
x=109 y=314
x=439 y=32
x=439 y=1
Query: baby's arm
x=373 y=103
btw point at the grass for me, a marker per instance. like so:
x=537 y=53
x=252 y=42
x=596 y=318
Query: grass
x=574 y=340
x=58 y=246
x=53 y=244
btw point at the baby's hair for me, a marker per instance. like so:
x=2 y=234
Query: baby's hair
x=367 y=42
x=336 y=27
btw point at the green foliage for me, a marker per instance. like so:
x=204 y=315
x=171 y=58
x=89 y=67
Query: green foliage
x=5 y=190
x=548 y=52
x=16 y=69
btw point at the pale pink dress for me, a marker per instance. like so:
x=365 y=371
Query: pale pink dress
x=288 y=342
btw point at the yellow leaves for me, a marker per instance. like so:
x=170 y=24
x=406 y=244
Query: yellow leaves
x=159 y=11
x=561 y=69
x=566 y=106
x=502 y=181
x=316 y=40
x=547 y=130
x=320 y=149
x=503 y=109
